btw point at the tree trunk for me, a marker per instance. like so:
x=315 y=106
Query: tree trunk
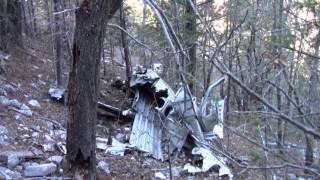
x=83 y=87
x=3 y=25
x=191 y=43
x=10 y=23
x=125 y=45
x=57 y=42
x=276 y=36
x=313 y=99
x=33 y=17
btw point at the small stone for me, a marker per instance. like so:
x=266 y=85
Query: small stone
x=13 y=161
x=34 y=103
x=40 y=170
x=26 y=164
x=103 y=167
x=4 y=100
x=160 y=175
x=25 y=110
x=48 y=147
x=3 y=92
x=36 y=151
x=47 y=124
x=25 y=136
x=60 y=134
x=3 y=136
x=13 y=157
x=292 y=177
x=55 y=159
x=6 y=173
x=9 y=88
x=17 y=116
x=19 y=168
x=35 y=134
x=15 y=103
x=48 y=138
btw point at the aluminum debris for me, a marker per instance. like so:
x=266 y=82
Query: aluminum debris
x=164 y=119
x=146 y=130
x=4 y=56
x=117 y=148
x=56 y=93
x=210 y=160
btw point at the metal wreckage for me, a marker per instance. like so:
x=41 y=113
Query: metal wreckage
x=164 y=119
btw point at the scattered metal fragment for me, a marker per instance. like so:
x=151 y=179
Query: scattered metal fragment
x=103 y=167
x=210 y=160
x=4 y=56
x=117 y=148
x=56 y=93
x=61 y=147
x=184 y=104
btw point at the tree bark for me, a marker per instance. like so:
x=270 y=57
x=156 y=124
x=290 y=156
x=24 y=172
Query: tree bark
x=125 y=45
x=191 y=44
x=83 y=87
x=3 y=25
x=57 y=42
x=10 y=23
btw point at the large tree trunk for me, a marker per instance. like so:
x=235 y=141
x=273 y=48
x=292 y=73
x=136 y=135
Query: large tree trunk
x=3 y=24
x=191 y=44
x=83 y=85
x=10 y=23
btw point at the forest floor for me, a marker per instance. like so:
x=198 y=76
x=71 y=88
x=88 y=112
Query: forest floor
x=29 y=76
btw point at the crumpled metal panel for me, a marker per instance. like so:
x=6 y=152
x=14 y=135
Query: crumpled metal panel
x=146 y=130
x=163 y=116
x=176 y=133
x=142 y=76
x=183 y=104
x=213 y=114
x=151 y=122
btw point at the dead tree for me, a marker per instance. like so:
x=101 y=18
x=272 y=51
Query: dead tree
x=83 y=87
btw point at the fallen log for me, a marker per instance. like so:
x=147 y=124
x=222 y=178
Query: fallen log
x=116 y=112
x=57 y=94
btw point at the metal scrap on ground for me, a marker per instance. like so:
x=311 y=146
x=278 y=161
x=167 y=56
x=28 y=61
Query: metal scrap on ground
x=164 y=119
